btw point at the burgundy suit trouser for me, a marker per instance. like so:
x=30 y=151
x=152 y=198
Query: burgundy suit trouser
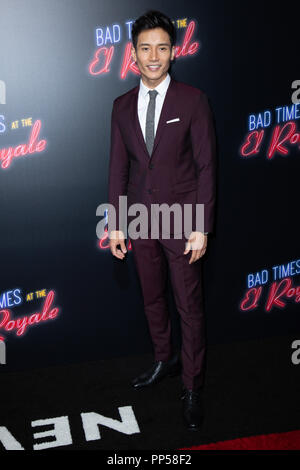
x=152 y=258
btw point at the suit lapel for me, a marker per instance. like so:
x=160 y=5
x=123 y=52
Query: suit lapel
x=166 y=113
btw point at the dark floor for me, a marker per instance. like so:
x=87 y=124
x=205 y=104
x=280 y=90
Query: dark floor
x=251 y=388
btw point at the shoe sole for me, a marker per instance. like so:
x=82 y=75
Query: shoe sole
x=198 y=428
x=193 y=428
x=171 y=374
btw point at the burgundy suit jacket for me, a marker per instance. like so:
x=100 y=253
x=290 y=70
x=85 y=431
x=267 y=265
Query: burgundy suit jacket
x=182 y=165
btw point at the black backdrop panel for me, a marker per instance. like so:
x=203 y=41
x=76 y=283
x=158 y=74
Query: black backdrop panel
x=55 y=114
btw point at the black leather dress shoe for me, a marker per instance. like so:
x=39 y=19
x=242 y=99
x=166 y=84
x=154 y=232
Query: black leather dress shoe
x=192 y=408
x=157 y=372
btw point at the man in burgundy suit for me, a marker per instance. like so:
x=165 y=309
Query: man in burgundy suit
x=163 y=151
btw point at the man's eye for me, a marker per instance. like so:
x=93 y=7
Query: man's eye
x=146 y=48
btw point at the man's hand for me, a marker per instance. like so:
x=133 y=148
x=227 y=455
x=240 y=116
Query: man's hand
x=197 y=243
x=116 y=238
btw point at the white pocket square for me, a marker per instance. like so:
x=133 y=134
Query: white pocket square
x=173 y=120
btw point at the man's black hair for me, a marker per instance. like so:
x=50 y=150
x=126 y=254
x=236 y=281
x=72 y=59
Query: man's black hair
x=150 y=20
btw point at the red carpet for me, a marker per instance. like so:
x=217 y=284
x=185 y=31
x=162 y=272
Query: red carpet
x=277 y=441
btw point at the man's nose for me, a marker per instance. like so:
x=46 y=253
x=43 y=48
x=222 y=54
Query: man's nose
x=153 y=55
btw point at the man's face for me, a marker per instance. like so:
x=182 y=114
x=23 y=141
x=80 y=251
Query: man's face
x=153 y=55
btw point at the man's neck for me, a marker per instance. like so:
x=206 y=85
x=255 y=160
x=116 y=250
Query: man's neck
x=152 y=84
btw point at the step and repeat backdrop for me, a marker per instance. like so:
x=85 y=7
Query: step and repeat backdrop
x=63 y=297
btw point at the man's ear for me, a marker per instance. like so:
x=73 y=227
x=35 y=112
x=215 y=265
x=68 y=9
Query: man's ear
x=133 y=55
x=173 y=53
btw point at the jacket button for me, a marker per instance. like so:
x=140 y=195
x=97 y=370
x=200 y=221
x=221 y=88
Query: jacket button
x=151 y=166
x=150 y=191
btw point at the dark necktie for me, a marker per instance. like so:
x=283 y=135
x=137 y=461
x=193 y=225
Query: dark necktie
x=150 y=121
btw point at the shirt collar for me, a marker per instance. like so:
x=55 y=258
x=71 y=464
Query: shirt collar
x=161 y=88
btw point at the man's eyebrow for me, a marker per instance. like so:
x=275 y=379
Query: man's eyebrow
x=161 y=44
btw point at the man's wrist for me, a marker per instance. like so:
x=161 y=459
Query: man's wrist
x=116 y=235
